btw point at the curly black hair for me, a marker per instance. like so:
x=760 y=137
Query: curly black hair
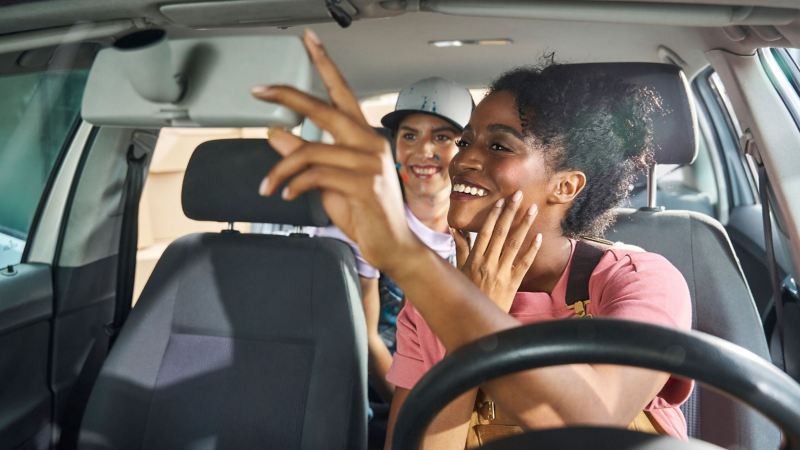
x=595 y=123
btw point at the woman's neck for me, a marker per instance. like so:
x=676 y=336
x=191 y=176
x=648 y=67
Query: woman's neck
x=430 y=210
x=549 y=265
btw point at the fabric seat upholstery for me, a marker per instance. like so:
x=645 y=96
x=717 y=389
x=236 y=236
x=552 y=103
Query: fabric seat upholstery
x=699 y=247
x=238 y=341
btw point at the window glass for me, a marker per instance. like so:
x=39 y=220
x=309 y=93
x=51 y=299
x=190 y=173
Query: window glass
x=782 y=69
x=794 y=53
x=789 y=62
x=39 y=113
x=724 y=103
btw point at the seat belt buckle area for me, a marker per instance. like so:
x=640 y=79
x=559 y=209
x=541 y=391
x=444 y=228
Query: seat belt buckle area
x=487 y=410
x=580 y=308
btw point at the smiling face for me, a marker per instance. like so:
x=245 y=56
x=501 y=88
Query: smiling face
x=494 y=161
x=425 y=147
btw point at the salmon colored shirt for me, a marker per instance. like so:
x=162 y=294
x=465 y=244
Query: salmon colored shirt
x=626 y=284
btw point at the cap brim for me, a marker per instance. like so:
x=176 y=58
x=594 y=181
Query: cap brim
x=393 y=119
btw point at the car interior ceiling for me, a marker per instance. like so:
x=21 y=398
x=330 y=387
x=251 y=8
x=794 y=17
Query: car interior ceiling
x=84 y=271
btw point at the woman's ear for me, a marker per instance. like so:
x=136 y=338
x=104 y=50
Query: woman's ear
x=565 y=186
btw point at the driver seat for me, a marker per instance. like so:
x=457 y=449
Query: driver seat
x=238 y=341
x=699 y=247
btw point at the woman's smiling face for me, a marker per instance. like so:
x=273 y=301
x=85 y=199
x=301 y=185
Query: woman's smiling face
x=494 y=161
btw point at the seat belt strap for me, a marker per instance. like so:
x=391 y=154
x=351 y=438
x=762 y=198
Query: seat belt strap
x=126 y=256
x=587 y=255
x=772 y=264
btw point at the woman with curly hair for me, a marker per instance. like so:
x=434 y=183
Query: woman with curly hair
x=545 y=157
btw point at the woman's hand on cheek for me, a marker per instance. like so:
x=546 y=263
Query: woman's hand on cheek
x=497 y=261
x=355 y=175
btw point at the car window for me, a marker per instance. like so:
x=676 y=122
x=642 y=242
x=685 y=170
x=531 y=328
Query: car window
x=724 y=131
x=733 y=123
x=781 y=66
x=39 y=114
x=788 y=62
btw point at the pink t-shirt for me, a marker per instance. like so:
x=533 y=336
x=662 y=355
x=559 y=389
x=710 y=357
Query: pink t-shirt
x=626 y=284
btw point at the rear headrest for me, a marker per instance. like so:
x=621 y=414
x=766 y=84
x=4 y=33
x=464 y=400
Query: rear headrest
x=675 y=132
x=221 y=184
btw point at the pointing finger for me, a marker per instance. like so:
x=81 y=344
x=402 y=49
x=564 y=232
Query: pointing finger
x=339 y=91
x=283 y=141
x=344 y=129
x=314 y=154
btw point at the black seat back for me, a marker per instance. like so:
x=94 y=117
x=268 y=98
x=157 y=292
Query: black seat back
x=699 y=247
x=238 y=341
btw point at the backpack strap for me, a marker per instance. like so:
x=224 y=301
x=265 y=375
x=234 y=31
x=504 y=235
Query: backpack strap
x=588 y=252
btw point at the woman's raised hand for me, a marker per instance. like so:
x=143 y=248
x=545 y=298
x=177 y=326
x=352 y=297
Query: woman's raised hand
x=356 y=174
x=500 y=256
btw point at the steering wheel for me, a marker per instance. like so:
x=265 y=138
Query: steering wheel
x=718 y=364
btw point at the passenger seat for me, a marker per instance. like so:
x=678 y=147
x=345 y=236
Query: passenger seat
x=238 y=341
x=698 y=246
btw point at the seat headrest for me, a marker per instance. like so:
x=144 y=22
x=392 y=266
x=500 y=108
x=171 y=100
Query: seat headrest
x=222 y=180
x=674 y=132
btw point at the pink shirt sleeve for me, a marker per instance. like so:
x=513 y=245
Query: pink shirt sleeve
x=408 y=365
x=633 y=286
x=645 y=287
x=418 y=349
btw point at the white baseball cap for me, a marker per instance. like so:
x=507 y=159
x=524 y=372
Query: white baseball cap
x=436 y=96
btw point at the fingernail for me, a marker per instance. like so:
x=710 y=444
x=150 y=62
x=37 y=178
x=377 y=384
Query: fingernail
x=500 y=203
x=516 y=197
x=533 y=209
x=312 y=36
x=263 y=188
x=285 y=193
x=262 y=90
x=539 y=239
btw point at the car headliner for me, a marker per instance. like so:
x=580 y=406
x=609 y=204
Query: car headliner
x=379 y=53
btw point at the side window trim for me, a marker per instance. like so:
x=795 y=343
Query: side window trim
x=48 y=187
x=711 y=139
x=774 y=61
x=36 y=127
x=43 y=243
x=727 y=142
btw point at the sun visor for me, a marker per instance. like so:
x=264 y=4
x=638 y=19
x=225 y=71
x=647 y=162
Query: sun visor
x=147 y=80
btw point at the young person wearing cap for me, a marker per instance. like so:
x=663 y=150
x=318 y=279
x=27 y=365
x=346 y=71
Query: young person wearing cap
x=428 y=118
